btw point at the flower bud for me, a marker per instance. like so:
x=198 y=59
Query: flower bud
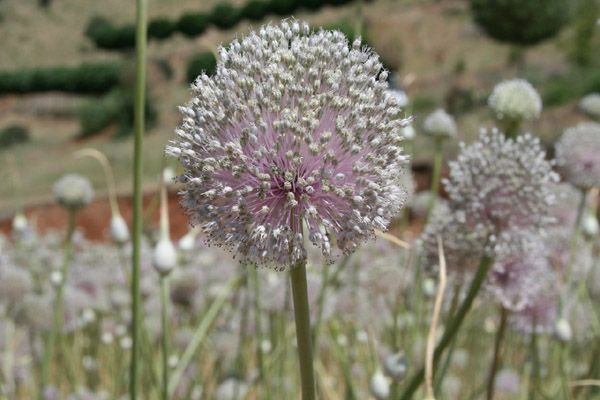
x=379 y=386
x=119 y=232
x=164 y=258
x=562 y=330
x=395 y=366
x=589 y=225
x=73 y=191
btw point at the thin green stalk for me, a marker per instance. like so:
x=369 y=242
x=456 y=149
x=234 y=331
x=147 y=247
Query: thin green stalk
x=57 y=317
x=534 y=379
x=164 y=320
x=496 y=358
x=258 y=323
x=453 y=326
x=302 y=318
x=140 y=93
x=435 y=176
x=200 y=334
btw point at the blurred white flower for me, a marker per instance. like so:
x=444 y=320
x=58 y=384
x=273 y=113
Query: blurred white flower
x=515 y=100
x=440 y=124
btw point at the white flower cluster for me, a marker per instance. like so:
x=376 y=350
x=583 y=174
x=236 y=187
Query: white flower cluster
x=440 y=124
x=73 y=191
x=515 y=100
x=577 y=155
x=590 y=105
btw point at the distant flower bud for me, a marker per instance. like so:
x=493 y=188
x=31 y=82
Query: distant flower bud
x=395 y=366
x=164 y=258
x=56 y=278
x=562 y=330
x=73 y=191
x=19 y=223
x=187 y=243
x=119 y=232
x=589 y=225
x=429 y=287
x=168 y=175
x=590 y=105
x=577 y=155
x=379 y=386
x=408 y=132
x=440 y=124
x=515 y=100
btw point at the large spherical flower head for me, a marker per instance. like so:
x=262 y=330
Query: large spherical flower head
x=503 y=183
x=440 y=124
x=577 y=155
x=295 y=129
x=73 y=191
x=515 y=100
x=590 y=105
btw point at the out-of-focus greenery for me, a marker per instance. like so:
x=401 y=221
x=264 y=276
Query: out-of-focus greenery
x=201 y=63
x=12 y=135
x=86 y=78
x=521 y=22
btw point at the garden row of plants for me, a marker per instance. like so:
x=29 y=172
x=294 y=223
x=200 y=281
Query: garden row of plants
x=223 y=15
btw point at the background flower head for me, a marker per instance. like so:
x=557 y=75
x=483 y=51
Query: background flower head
x=577 y=154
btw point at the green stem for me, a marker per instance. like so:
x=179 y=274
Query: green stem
x=140 y=93
x=200 y=334
x=453 y=326
x=258 y=323
x=535 y=366
x=497 y=347
x=57 y=317
x=164 y=291
x=439 y=379
x=435 y=176
x=302 y=317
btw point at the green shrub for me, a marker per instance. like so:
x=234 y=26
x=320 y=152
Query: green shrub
x=114 y=38
x=312 y=4
x=521 y=22
x=423 y=103
x=199 y=63
x=337 y=2
x=161 y=28
x=255 y=10
x=572 y=86
x=587 y=13
x=95 y=24
x=13 y=135
x=115 y=108
x=283 y=7
x=87 y=78
x=224 y=15
x=193 y=24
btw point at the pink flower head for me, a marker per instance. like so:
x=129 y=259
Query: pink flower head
x=296 y=131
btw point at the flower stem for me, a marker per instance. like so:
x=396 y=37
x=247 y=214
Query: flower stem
x=57 y=317
x=140 y=92
x=302 y=317
x=258 y=323
x=497 y=347
x=435 y=176
x=164 y=320
x=453 y=326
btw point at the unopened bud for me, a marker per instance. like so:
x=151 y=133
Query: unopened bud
x=164 y=258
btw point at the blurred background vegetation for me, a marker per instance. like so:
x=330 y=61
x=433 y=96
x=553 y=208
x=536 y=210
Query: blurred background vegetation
x=66 y=70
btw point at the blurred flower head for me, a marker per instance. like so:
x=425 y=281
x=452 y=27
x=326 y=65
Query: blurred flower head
x=503 y=183
x=515 y=100
x=73 y=191
x=590 y=105
x=439 y=124
x=577 y=154
x=296 y=130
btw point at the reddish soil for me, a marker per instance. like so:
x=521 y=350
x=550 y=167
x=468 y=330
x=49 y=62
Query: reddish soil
x=94 y=219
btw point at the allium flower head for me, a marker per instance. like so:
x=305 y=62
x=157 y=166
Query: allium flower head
x=73 y=191
x=515 y=100
x=577 y=154
x=590 y=105
x=503 y=183
x=295 y=129
x=440 y=124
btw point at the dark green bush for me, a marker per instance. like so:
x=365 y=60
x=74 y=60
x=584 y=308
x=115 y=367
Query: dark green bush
x=199 y=63
x=95 y=24
x=586 y=16
x=572 y=86
x=521 y=22
x=312 y=4
x=114 y=38
x=337 y=2
x=87 y=78
x=255 y=10
x=12 y=135
x=283 y=7
x=224 y=15
x=193 y=24
x=115 y=108
x=161 y=28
